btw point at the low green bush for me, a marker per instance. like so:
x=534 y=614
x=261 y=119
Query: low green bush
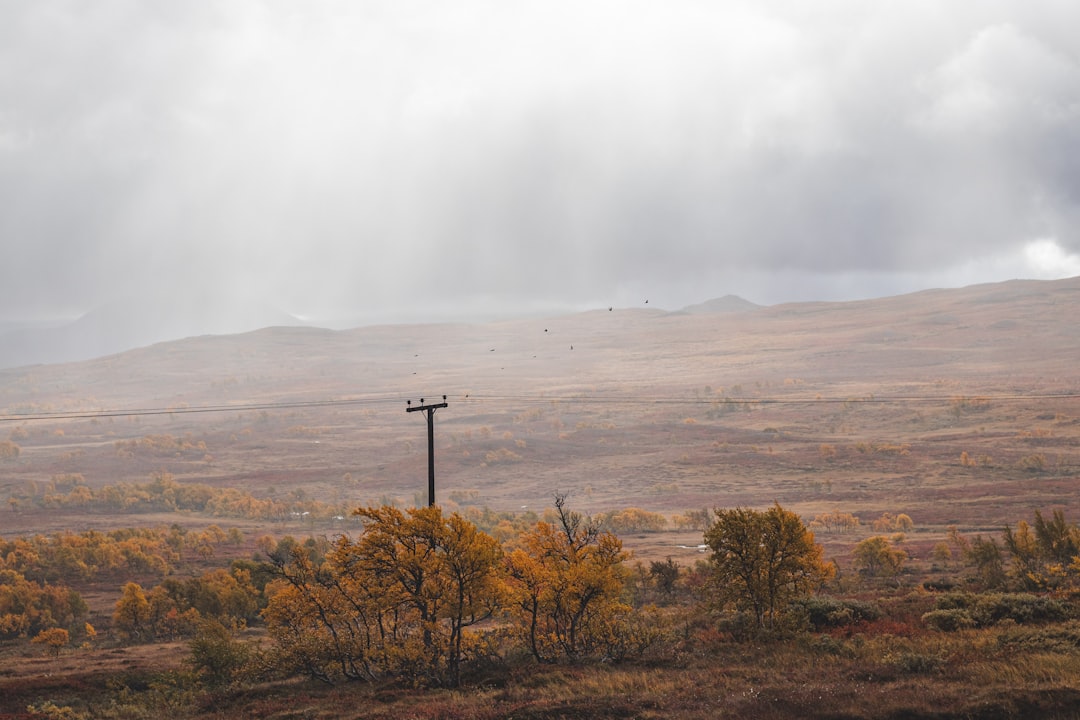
x=1055 y=638
x=826 y=612
x=990 y=608
x=915 y=663
x=949 y=620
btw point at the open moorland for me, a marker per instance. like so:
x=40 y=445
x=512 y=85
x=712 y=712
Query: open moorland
x=957 y=409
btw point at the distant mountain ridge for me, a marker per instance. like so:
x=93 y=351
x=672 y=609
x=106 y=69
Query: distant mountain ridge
x=138 y=322
x=725 y=304
x=131 y=323
x=141 y=322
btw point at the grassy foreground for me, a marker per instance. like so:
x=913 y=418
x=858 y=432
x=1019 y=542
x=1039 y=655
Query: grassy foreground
x=883 y=669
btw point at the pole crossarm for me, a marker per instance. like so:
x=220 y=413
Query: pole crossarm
x=414 y=408
x=429 y=410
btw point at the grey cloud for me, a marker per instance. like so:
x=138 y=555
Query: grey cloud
x=368 y=160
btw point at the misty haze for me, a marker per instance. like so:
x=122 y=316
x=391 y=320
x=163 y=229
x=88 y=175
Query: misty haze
x=745 y=337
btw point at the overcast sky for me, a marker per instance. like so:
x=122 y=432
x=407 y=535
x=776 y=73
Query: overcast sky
x=355 y=162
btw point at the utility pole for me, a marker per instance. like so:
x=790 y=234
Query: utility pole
x=430 y=411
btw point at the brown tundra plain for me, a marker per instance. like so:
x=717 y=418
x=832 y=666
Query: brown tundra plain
x=931 y=443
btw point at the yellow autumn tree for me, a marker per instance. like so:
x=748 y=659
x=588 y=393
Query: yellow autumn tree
x=131 y=615
x=1027 y=559
x=55 y=639
x=761 y=561
x=1045 y=554
x=326 y=617
x=877 y=557
x=566 y=584
x=396 y=601
x=308 y=618
x=442 y=572
x=27 y=607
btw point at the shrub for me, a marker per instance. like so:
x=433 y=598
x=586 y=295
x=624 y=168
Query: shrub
x=8 y=450
x=216 y=655
x=990 y=608
x=636 y=632
x=632 y=520
x=949 y=620
x=986 y=557
x=915 y=663
x=738 y=626
x=1019 y=607
x=1059 y=638
x=826 y=612
x=50 y=710
x=502 y=455
x=829 y=645
x=1032 y=463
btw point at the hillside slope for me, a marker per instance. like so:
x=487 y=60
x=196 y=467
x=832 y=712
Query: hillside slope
x=863 y=406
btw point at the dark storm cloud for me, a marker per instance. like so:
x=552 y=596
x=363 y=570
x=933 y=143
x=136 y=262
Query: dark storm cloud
x=373 y=161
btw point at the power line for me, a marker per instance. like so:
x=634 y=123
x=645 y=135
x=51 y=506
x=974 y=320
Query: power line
x=866 y=399
x=191 y=409
x=473 y=398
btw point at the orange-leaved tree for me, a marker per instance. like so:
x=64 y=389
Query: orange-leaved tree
x=318 y=627
x=27 y=607
x=566 y=582
x=55 y=639
x=397 y=600
x=763 y=560
x=440 y=574
x=131 y=616
x=1046 y=555
x=875 y=557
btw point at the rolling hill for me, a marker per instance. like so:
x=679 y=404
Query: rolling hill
x=955 y=406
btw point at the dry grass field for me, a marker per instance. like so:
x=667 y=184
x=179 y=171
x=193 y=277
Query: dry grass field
x=954 y=407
